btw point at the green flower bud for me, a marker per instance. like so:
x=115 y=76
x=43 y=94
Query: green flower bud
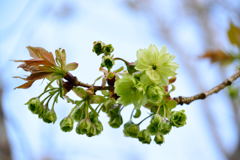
x=159 y=139
x=93 y=117
x=116 y=121
x=34 y=105
x=98 y=47
x=107 y=62
x=42 y=110
x=78 y=114
x=66 y=124
x=108 y=49
x=131 y=68
x=83 y=126
x=178 y=119
x=165 y=127
x=137 y=113
x=99 y=127
x=108 y=104
x=50 y=116
x=131 y=129
x=114 y=111
x=154 y=93
x=154 y=125
x=233 y=92
x=144 y=136
x=92 y=131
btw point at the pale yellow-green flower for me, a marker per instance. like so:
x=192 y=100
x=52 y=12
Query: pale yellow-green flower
x=157 y=64
x=130 y=91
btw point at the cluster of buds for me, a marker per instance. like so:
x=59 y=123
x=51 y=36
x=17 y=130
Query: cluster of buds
x=158 y=127
x=37 y=107
x=144 y=83
x=106 y=49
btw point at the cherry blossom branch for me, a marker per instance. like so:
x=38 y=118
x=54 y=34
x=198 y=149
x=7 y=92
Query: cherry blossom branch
x=72 y=80
x=187 y=100
x=180 y=100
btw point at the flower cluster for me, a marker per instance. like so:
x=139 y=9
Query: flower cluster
x=146 y=83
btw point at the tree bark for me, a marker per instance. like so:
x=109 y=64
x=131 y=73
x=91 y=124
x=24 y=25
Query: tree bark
x=5 y=150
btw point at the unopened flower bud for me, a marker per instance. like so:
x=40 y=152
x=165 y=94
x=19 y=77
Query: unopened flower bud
x=107 y=62
x=92 y=131
x=159 y=139
x=154 y=125
x=50 y=116
x=144 y=136
x=178 y=118
x=131 y=129
x=233 y=92
x=34 y=105
x=78 y=114
x=165 y=127
x=108 y=49
x=66 y=124
x=83 y=126
x=98 y=47
x=42 y=110
x=137 y=113
x=108 y=104
x=116 y=121
x=93 y=117
x=99 y=127
x=154 y=93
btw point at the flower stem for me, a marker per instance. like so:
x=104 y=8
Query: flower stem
x=145 y=118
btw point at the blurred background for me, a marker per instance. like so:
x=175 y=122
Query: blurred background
x=189 y=28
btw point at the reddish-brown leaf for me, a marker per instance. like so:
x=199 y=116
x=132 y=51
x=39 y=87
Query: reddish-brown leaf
x=36 y=76
x=35 y=69
x=38 y=52
x=26 y=85
x=35 y=62
x=217 y=56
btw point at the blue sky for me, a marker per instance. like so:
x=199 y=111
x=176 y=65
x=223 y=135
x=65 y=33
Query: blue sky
x=39 y=23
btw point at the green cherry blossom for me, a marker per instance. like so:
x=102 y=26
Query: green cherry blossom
x=157 y=64
x=130 y=91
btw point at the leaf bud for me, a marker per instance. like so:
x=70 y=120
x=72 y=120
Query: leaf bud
x=66 y=124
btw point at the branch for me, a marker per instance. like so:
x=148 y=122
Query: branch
x=180 y=100
x=187 y=100
x=75 y=82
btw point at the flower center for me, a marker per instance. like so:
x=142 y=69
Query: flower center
x=154 y=67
